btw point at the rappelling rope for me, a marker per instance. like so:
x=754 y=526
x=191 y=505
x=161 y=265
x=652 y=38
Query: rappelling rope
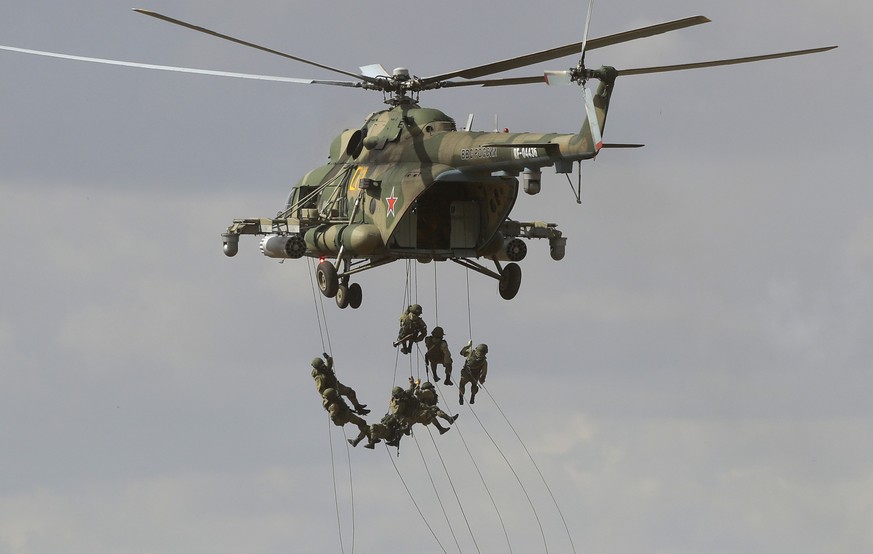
x=324 y=332
x=470 y=454
x=335 y=492
x=454 y=491
x=469 y=308
x=560 y=513
x=436 y=299
x=517 y=478
x=351 y=484
x=315 y=303
x=485 y=485
x=405 y=486
x=435 y=491
x=410 y=296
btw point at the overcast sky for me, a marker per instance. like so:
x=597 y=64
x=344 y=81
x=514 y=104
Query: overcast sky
x=693 y=377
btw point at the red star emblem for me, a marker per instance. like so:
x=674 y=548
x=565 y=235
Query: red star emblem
x=392 y=200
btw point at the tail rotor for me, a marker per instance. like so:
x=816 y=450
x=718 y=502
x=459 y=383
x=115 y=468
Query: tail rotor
x=580 y=75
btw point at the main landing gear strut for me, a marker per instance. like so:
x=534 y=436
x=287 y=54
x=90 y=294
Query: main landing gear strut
x=333 y=286
x=508 y=276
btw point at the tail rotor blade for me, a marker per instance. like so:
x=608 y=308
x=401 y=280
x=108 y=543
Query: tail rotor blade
x=554 y=78
x=593 y=124
x=585 y=36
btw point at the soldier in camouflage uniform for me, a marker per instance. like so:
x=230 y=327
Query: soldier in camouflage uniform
x=412 y=328
x=403 y=403
x=391 y=429
x=474 y=371
x=340 y=414
x=325 y=379
x=428 y=411
x=398 y=421
x=438 y=353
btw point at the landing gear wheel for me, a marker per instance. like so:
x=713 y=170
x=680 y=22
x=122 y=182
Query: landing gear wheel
x=355 y=296
x=325 y=276
x=342 y=297
x=510 y=281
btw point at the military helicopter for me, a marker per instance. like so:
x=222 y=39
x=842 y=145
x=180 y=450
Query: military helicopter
x=409 y=185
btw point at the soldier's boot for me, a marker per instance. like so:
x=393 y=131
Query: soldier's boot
x=443 y=430
x=451 y=419
x=371 y=445
x=473 y=398
x=362 y=409
x=461 y=399
x=363 y=431
x=435 y=376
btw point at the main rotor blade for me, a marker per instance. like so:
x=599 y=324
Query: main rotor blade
x=252 y=45
x=567 y=50
x=181 y=69
x=494 y=82
x=716 y=63
x=374 y=70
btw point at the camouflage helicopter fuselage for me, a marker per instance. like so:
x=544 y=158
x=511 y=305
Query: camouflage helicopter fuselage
x=409 y=185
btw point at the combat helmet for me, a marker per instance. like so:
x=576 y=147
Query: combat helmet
x=415 y=309
x=482 y=349
x=317 y=363
x=438 y=332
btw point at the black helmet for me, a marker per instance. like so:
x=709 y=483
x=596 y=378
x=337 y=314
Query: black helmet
x=438 y=332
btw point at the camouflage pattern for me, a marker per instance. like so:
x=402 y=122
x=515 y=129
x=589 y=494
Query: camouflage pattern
x=428 y=410
x=340 y=413
x=438 y=354
x=325 y=379
x=391 y=429
x=462 y=184
x=403 y=403
x=474 y=371
x=412 y=328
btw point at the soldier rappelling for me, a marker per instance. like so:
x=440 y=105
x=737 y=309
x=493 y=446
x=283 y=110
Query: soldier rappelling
x=412 y=329
x=438 y=353
x=325 y=379
x=428 y=411
x=474 y=371
x=340 y=414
